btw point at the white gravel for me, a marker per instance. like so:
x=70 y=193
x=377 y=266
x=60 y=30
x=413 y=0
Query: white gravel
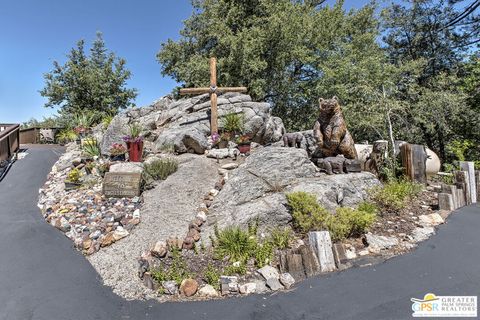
x=167 y=210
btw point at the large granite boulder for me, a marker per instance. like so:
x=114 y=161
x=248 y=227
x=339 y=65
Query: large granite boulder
x=257 y=188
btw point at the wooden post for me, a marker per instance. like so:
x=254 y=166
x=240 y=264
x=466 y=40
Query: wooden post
x=469 y=168
x=414 y=160
x=322 y=245
x=477 y=183
x=461 y=181
x=213 y=96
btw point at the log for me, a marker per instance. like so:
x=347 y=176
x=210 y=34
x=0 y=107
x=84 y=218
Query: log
x=445 y=202
x=461 y=181
x=339 y=254
x=321 y=243
x=469 y=168
x=414 y=162
x=310 y=262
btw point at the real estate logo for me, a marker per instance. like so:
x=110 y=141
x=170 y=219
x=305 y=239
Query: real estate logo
x=444 y=306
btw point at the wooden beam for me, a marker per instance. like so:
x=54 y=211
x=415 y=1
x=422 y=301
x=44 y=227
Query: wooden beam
x=213 y=96
x=193 y=91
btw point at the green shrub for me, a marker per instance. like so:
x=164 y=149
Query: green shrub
x=395 y=195
x=234 y=243
x=235 y=270
x=91 y=148
x=281 y=237
x=308 y=215
x=263 y=254
x=74 y=175
x=233 y=122
x=177 y=271
x=66 y=136
x=306 y=212
x=212 y=276
x=160 y=169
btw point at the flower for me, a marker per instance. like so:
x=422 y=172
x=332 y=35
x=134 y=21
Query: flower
x=243 y=139
x=215 y=137
x=117 y=149
x=129 y=138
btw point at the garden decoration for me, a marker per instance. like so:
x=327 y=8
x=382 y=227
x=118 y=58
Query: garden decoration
x=212 y=90
x=134 y=141
x=117 y=152
x=244 y=144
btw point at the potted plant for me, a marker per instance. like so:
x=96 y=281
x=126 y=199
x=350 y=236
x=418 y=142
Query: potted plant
x=224 y=139
x=244 y=143
x=134 y=141
x=117 y=152
x=73 y=179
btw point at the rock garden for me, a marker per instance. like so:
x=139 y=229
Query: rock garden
x=165 y=209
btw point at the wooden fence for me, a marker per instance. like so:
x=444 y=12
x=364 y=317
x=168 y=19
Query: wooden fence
x=9 y=140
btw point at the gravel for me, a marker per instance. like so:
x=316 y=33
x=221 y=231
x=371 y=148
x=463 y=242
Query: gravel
x=167 y=211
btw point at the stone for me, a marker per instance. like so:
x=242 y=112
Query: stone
x=222 y=153
x=230 y=166
x=287 y=280
x=208 y=291
x=120 y=233
x=363 y=253
x=194 y=234
x=421 y=234
x=136 y=214
x=61 y=224
x=159 y=249
x=274 y=284
x=189 y=287
x=115 y=132
x=182 y=139
x=350 y=253
x=339 y=254
x=377 y=242
x=188 y=243
x=445 y=202
x=321 y=242
x=268 y=272
x=247 y=288
x=229 y=284
x=433 y=219
x=469 y=168
x=122 y=184
x=202 y=216
x=129 y=167
x=108 y=239
x=170 y=287
x=148 y=281
x=174 y=243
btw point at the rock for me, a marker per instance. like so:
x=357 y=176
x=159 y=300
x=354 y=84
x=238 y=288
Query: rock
x=62 y=224
x=228 y=284
x=170 y=287
x=108 y=239
x=148 y=281
x=421 y=234
x=194 y=234
x=268 y=272
x=159 y=249
x=174 y=243
x=115 y=132
x=202 y=216
x=377 y=243
x=364 y=252
x=274 y=284
x=256 y=189
x=127 y=167
x=189 y=287
x=247 y=288
x=188 y=243
x=120 y=233
x=208 y=291
x=350 y=253
x=136 y=214
x=260 y=286
x=222 y=153
x=230 y=166
x=183 y=139
x=287 y=280
x=432 y=219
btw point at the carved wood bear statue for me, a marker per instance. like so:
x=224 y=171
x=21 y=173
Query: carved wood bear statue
x=330 y=131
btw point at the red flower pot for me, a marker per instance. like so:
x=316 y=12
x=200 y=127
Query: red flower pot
x=135 y=151
x=244 y=148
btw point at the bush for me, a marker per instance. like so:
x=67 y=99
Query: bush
x=91 y=148
x=235 y=243
x=160 y=169
x=395 y=195
x=231 y=270
x=177 y=271
x=233 y=123
x=263 y=254
x=308 y=215
x=306 y=212
x=281 y=237
x=212 y=276
x=66 y=136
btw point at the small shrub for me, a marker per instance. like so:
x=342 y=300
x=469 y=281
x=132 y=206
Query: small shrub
x=263 y=254
x=66 y=136
x=212 y=276
x=231 y=270
x=233 y=123
x=281 y=237
x=74 y=175
x=177 y=271
x=306 y=212
x=348 y=222
x=394 y=195
x=160 y=169
x=234 y=243
x=91 y=148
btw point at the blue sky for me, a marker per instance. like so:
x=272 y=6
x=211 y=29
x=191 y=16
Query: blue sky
x=34 y=33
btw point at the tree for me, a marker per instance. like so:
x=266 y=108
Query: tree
x=286 y=52
x=95 y=83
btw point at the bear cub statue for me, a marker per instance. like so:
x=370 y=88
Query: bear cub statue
x=330 y=131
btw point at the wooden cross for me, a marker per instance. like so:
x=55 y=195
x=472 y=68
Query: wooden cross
x=213 y=90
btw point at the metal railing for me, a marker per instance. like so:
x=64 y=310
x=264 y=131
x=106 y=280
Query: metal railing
x=9 y=140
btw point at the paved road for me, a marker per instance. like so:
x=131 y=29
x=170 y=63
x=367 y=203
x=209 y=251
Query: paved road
x=42 y=277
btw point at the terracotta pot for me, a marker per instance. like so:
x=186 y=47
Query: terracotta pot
x=244 y=148
x=135 y=151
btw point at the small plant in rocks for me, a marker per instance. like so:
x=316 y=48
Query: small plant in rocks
x=74 y=176
x=160 y=169
x=176 y=271
x=234 y=243
x=395 y=195
x=281 y=237
x=212 y=276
